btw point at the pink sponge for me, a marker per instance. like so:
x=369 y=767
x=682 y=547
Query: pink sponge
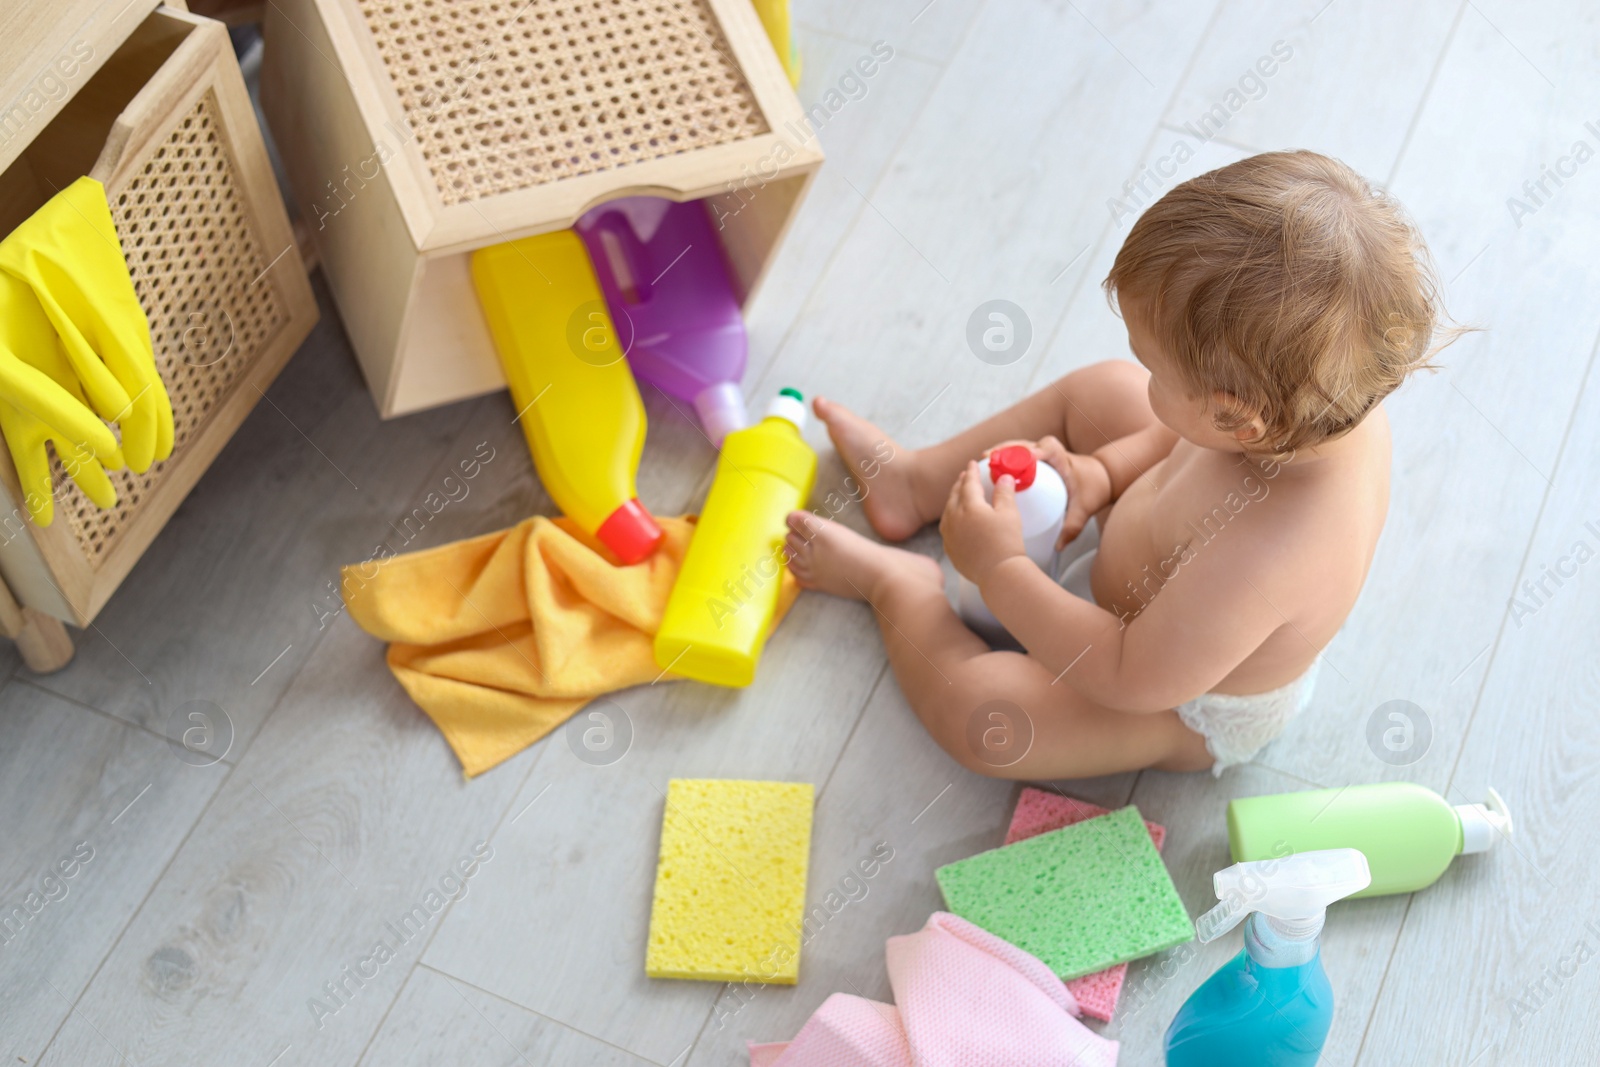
x=1039 y=812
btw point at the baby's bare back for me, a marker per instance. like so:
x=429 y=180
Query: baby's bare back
x=1205 y=531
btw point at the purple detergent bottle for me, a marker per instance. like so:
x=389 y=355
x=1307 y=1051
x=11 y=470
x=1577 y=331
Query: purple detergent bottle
x=666 y=284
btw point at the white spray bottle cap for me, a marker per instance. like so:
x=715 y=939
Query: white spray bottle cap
x=1293 y=891
x=1481 y=823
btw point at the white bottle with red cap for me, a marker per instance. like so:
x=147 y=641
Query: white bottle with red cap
x=1042 y=500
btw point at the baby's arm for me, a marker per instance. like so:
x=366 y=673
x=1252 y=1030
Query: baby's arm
x=1216 y=610
x=1127 y=458
x=1188 y=639
x=1101 y=477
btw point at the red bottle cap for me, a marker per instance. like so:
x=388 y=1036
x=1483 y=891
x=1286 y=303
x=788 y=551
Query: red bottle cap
x=1015 y=460
x=630 y=532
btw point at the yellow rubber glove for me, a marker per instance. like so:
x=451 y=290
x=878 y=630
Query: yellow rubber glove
x=35 y=377
x=69 y=254
x=25 y=437
x=40 y=400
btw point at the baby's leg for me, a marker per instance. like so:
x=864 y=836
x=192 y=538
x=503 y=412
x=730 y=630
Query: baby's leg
x=996 y=713
x=906 y=489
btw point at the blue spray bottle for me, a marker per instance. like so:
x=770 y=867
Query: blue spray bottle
x=1271 y=1005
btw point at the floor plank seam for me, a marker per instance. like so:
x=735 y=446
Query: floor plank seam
x=811 y=27
x=1032 y=383
x=322 y=632
x=872 y=189
x=133 y=916
x=1133 y=789
x=1427 y=94
x=1383 y=979
x=1527 y=553
x=1488 y=669
x=448 y=977
x=1287 y=774
x=861 y=713
x=462 y=411
x=1216 y=138
x=1066 y=306
x=688 y=1053
x=316 y=643
x=515 y=794
x=176 y=852
x=83 y=705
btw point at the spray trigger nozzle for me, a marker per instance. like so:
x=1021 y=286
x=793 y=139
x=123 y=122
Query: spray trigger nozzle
x=1294 y=890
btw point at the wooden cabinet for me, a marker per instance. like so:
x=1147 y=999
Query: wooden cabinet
x=161 y=117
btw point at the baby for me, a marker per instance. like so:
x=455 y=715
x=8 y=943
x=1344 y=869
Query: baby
x=1225 y=494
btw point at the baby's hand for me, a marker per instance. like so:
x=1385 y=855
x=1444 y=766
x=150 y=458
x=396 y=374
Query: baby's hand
x=1088 y=485
x=979 y=536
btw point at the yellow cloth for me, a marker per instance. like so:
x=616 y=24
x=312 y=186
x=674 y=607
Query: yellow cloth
x=500 y=638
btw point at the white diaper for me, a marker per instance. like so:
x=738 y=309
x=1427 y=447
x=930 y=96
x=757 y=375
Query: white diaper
x=1235 y=727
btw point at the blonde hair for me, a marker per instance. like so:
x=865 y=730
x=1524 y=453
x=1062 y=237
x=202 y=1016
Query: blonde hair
x=1291 y=283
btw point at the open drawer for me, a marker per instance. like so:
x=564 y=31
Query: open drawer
x=414 y=134
x=166 y=125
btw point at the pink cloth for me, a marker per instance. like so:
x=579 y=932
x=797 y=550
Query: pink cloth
x=965 y=999
x=1039 y=812
x=846 y=1031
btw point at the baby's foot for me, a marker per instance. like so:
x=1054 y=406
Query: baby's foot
x=881 y=466
x=835 y=559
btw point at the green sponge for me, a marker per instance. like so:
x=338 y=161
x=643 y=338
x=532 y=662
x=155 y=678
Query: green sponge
x=1080 y=898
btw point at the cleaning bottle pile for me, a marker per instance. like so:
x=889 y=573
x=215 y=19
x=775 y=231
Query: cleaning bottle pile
x=553 y=303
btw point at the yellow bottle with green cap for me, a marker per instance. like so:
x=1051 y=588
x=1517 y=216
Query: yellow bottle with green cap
x=722 y=604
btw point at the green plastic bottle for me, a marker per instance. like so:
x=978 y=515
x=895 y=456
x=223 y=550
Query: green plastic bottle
x=1408 y=833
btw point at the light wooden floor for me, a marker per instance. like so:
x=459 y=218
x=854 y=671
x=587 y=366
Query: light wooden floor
x=978 y=164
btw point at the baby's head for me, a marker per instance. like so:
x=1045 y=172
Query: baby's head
x=1275 y=301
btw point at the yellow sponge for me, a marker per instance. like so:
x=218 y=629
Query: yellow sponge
x=731 y=881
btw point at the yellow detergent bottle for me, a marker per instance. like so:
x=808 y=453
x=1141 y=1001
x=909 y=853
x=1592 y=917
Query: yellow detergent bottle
x=721 y=607
x=575 y=396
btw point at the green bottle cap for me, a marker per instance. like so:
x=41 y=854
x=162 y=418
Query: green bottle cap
x=789 y=391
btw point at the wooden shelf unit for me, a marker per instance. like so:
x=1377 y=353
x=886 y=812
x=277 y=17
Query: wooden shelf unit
x=163 y=120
